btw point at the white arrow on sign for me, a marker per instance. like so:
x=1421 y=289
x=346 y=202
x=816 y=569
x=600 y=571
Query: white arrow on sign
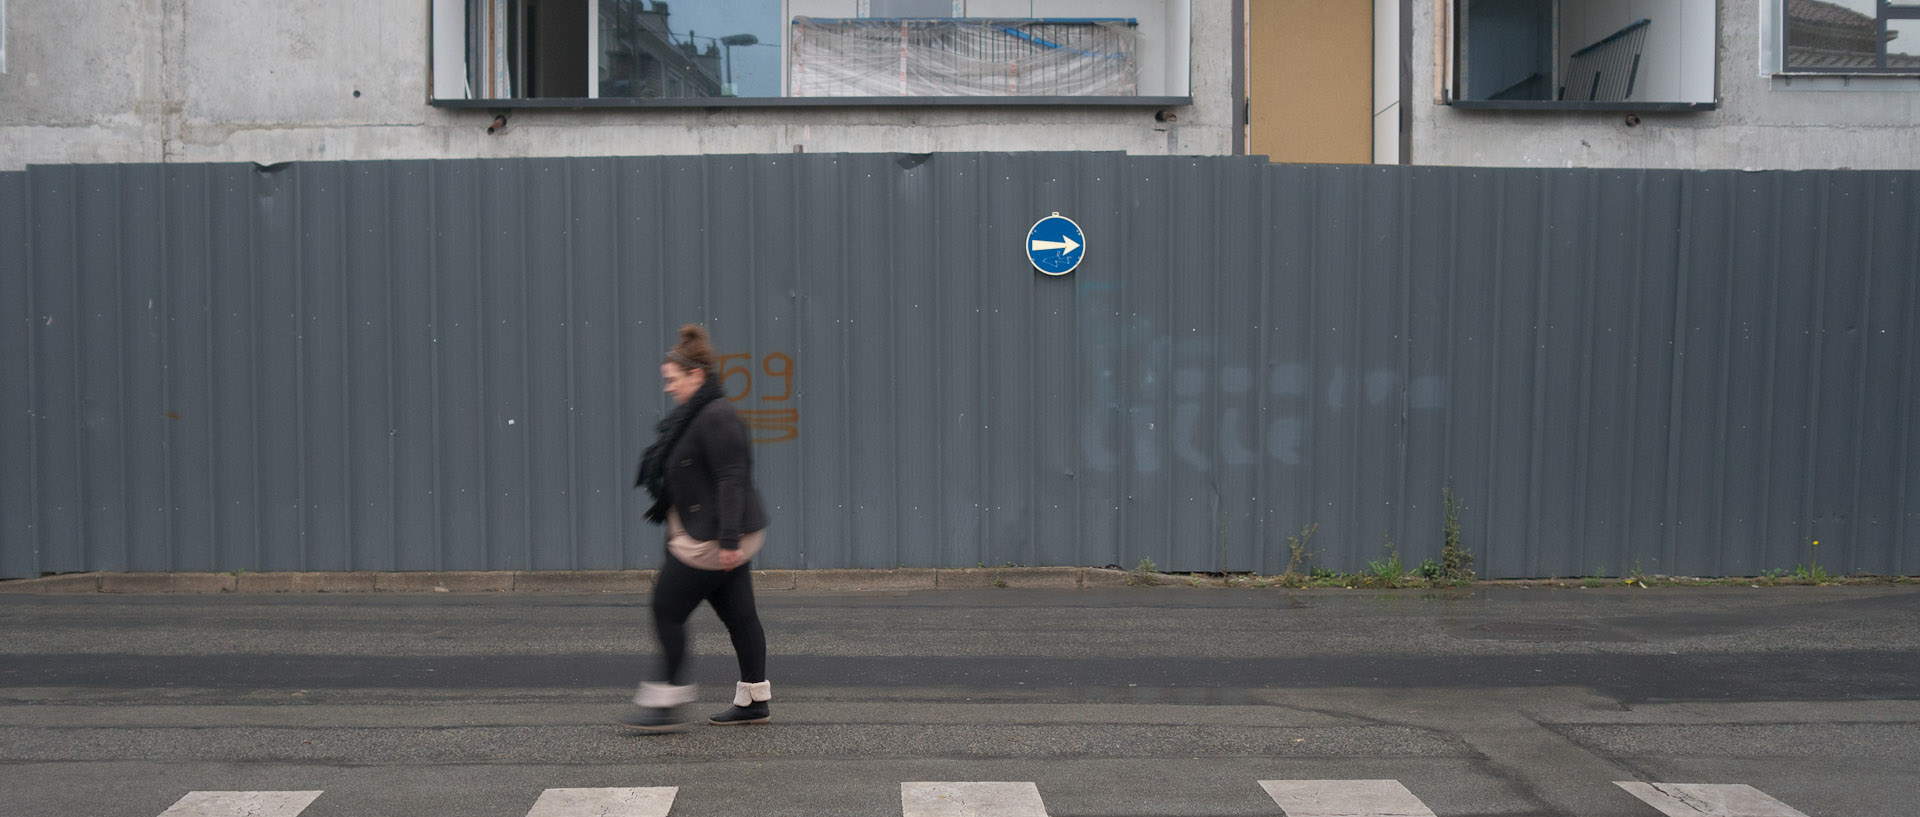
x=1066 y=242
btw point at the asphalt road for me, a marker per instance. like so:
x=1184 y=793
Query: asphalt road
x=1127 y=701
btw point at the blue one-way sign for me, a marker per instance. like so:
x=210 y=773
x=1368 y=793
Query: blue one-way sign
x=1055 y=245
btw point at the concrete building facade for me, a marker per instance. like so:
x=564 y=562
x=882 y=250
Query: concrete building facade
x=223 y=80
x=227 y=80
x=1763 y=116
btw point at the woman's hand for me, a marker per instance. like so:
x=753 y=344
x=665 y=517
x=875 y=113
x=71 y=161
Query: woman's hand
x=730 y=559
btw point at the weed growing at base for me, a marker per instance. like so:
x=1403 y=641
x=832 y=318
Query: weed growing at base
x=1143 y=574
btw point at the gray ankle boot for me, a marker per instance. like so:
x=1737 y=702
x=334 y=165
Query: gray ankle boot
x=659 y=708
x=749 y=705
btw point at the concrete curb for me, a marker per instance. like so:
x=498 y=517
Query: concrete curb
x=978 y=577
x=911 y=578
x=357 y=582
x=561 y=581
x=167 y=583
x=66 y=583
x=584 y=581
x=1107 y=577
x=776 y=579
x=445 y=581
x=641 y=581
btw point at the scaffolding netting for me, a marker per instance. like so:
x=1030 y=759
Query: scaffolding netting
x=963 y=57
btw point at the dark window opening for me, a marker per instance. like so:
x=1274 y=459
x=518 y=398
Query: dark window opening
x=1571 y=54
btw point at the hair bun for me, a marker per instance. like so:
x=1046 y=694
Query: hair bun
x=695 y=350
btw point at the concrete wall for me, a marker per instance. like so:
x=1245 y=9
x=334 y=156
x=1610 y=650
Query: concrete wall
x=92 y=81
x=1761 y=122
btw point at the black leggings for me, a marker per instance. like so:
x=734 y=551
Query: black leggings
x=678 y=591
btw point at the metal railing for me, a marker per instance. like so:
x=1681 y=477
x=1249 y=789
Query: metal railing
x=1606 y=70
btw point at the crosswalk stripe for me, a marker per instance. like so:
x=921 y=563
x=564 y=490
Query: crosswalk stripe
x=1345 y=798
x=241 y=804
x=971 y=800
x=1709 y=800
x=1296 y=798
x=653 y=801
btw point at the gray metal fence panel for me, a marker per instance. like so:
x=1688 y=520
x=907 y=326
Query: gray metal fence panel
x=451 y=364
x=19 y=552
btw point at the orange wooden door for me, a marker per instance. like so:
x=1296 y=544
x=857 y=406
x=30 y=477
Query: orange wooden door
x=1310 y=80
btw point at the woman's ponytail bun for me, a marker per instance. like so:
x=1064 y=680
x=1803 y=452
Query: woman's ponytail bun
x=695 y=349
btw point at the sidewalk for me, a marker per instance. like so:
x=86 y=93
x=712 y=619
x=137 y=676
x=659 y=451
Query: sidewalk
x=560 y=581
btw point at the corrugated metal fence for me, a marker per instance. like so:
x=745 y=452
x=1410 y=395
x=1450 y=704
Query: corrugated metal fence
x=452 y=364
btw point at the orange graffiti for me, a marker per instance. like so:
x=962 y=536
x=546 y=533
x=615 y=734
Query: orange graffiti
x=782 y=424
x=770 y=425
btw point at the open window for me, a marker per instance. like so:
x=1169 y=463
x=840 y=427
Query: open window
x=701 y=53
x=1577 y=54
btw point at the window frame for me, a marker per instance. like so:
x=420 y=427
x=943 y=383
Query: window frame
x=1449 y=75
x=447 y=67
x=1774 y=33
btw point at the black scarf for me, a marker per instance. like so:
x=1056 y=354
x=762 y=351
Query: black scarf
x=653 y=464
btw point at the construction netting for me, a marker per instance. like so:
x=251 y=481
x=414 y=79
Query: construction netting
x=962 y=57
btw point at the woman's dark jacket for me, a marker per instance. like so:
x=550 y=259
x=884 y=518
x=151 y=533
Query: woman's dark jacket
x=710 y=473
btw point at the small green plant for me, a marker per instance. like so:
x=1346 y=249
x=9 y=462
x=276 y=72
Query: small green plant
x=1389 y=571
x=1297 y=552
x=999 y=582
x=1812 y=571
x=1386 y=572
x=1456 y=564
x=1428 y=570
x=1144 y=574
x=1636 y=575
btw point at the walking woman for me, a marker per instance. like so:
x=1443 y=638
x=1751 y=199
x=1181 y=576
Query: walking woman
x=700 y=474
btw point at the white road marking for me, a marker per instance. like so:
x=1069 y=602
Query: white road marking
x=1709 y=800
x=241 y=804
x=1345 y=798
x=643 y=802
x=971 y=800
